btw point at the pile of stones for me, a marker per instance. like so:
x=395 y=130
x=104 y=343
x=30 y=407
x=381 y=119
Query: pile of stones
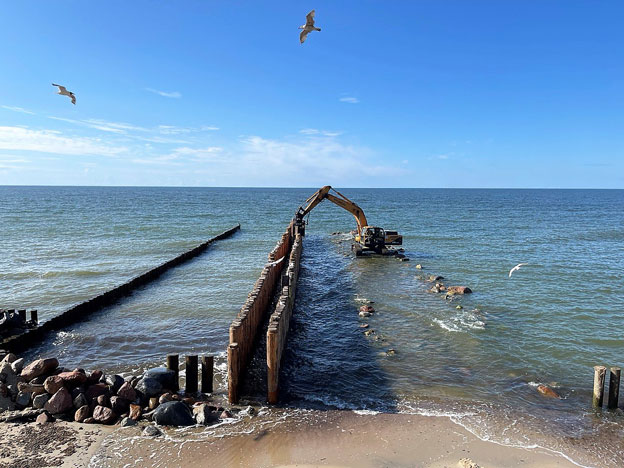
x=46 y=391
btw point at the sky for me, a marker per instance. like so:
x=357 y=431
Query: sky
x=518 y=94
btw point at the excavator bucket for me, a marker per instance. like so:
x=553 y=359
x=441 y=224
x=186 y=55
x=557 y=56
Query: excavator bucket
x=393 y=238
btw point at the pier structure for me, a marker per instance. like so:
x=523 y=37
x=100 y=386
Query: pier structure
x=273 y=295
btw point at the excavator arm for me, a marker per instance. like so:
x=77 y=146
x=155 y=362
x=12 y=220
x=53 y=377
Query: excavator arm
x=340 y=200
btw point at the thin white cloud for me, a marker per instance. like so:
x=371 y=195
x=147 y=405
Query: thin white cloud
x=208 y=128
x=309 y=131
x=51 y=141
x=18 y=109
x=349 y=99
x=173 y=94
x=315 y=131
x=443 y=156
x=103 y=125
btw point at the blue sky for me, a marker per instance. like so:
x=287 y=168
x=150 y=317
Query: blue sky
x=388 y=94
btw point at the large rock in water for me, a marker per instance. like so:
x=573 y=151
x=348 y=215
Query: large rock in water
x=173 y=413
x=547 y=391
x=458 y=290
x=149 y=387
x=60 y=402
x=164 y=376
x=39 y=367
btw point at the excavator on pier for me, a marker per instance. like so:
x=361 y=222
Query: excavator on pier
x=367 y=239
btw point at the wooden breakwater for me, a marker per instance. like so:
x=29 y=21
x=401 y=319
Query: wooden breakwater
x=251 y=317
x=84 y=309
x=279 y=322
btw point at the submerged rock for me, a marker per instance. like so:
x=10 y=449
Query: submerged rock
x=458 y=290
x=367 y=308
x=173 y=413
x=547 y=391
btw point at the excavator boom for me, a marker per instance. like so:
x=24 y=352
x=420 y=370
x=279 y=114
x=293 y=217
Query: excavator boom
x=368 y=237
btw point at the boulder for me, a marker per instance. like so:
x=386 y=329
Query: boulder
x=127 y=422
x=165 y=397
x=31 y=388
x=80 y=400
x=135 y=412
x=8 y=359
x=103 y=400
x=95 y=390
x=39 y=367
x=7 y=375
x=419 y=267
x=60 y=402
x=164 y=376
x=126 y=392
x=95 y=377
x=149 y=387
x=23 y=399
x=365 y=314
x=367 y=308
x=40 y=400
x=204 y=415
x=225 y=414
x=151 y=431
x=53 y=384
x=6 y=404
x=82 y=413
x=547 y=391
x=458 y=290
x=89 y=420
x=173 y=413
x=104 y=415
x=73 y=379
x=433 y=278
x=115 y=382
x=119 y=405
x=44 y=418
x=153 y=403
x=17 y=365
x=38 y=380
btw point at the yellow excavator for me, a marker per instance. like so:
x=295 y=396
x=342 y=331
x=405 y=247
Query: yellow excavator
x=368 y=239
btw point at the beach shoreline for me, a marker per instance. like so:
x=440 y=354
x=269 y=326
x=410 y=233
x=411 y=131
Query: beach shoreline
x=332 y=438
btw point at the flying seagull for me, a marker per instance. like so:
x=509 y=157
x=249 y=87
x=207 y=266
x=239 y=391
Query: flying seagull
x=63 y=91
x=308 y=27
x=516 y=268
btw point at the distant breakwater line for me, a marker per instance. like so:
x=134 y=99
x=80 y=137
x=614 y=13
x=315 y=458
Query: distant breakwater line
x=82 y=310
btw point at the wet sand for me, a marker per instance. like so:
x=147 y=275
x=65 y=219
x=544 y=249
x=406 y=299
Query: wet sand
x=57 y=444
x=320 y=438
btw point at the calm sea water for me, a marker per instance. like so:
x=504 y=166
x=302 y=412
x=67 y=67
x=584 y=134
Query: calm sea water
x=550 y=323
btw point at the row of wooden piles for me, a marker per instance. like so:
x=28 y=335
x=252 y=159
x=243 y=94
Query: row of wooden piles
x=251 y=318
x=280 y=320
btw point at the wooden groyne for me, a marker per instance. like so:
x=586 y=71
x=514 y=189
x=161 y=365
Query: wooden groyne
x=279 y=322
x=251 y=319
x=84 y=309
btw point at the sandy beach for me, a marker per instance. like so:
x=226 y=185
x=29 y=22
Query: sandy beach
x=320 y=438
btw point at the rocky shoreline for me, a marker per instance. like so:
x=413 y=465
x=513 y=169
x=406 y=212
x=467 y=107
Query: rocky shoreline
x=45 y=392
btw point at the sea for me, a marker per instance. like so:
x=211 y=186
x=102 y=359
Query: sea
x=477 y=359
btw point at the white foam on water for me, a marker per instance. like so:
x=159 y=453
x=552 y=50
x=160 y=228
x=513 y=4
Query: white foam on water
x=366 y=412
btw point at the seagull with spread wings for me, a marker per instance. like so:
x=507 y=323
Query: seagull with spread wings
x=308 y=27
x=516 y=268
x=63 y=91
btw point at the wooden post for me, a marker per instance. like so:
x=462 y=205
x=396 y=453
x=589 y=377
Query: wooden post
x=191 y=374
x=173 y=363
x=272 y=364
x=34 y=317
x=614 y=387
x=207 y=365
x=599 y=378
x=22 y=314
x=233 y=373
